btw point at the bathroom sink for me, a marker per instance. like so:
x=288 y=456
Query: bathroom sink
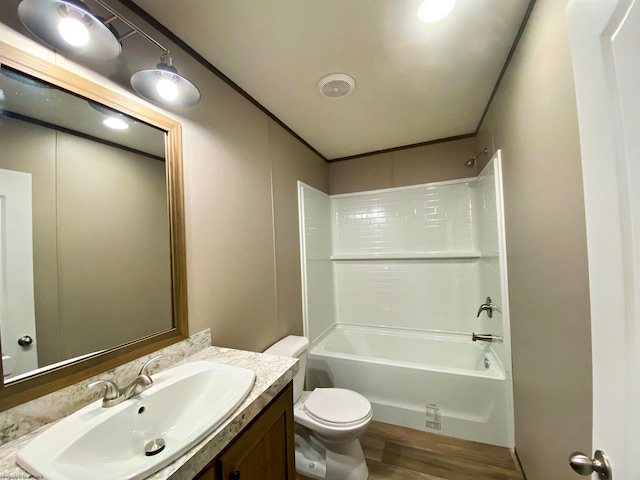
x=184 y=404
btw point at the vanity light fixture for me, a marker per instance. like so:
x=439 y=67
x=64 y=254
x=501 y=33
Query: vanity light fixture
x=433 y=10
x=164 y=85
x=69 y=26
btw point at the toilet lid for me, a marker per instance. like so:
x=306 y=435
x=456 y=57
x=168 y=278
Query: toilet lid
x=337 y=405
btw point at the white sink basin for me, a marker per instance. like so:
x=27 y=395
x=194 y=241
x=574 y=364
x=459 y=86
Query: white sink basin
x=184 y=404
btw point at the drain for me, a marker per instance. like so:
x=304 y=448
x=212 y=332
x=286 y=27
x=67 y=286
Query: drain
x=154 y=447
x=487 y=363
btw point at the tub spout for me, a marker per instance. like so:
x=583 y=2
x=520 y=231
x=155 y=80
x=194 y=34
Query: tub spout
x=486 y=337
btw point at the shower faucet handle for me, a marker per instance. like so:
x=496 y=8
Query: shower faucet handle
x=486 y=307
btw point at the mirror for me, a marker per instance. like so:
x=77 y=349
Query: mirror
x=92 y=229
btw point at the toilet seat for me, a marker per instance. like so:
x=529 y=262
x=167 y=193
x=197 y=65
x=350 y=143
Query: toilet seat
x=337 y=407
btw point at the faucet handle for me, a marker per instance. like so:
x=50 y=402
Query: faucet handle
x=488 y=307
x=112 y=391
x=145 y=368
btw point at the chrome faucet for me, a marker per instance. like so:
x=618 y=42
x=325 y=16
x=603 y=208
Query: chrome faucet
x=486 y=337
x=114 y=395
x=487 y=307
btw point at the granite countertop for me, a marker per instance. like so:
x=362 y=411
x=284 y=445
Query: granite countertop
x=272 y=376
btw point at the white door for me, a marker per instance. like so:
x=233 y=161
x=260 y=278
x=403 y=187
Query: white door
x=605 y=48
x=17 y=308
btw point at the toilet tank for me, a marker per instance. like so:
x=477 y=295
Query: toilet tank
x=295 y=347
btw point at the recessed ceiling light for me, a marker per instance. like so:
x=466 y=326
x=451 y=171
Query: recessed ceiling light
x=433 y=10
x=115 y=123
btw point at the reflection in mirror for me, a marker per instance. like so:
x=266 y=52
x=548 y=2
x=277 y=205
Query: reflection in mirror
x=85 y=245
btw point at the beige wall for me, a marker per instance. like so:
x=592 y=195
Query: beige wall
x=533 y=120
x=413 y=166
x=240 y=172
x=114 y=271
x=290 y=161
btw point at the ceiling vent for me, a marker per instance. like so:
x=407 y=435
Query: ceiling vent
x=336 y=85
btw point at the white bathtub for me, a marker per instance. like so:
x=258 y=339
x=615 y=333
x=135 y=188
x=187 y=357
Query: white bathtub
x=437 y=382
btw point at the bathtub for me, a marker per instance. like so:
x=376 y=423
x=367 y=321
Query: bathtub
x=437 y=382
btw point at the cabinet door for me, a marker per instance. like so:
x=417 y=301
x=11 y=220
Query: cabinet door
x=265 y=450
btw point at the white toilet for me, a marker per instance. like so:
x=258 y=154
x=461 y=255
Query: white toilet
x=329 y=422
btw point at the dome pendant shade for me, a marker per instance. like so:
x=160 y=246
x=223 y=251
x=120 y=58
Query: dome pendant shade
x=164 y=86
x=69 y=26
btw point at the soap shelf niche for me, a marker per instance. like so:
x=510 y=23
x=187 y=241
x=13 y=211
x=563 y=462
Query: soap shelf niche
x=406 y=256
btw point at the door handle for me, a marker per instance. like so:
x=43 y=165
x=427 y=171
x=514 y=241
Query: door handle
x=584 y=465
x=25 y=341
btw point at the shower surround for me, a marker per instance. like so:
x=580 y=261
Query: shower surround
x=392 y=283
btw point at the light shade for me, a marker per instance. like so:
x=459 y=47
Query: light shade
x=112 y=118
x=69 y=26
x=164 y=86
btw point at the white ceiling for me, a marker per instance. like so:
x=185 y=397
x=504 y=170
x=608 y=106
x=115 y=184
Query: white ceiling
x=416 y=82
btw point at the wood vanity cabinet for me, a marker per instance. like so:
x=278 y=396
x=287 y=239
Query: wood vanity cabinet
x=264 y=450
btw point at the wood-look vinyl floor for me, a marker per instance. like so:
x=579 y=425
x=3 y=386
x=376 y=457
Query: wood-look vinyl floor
x=398 y=453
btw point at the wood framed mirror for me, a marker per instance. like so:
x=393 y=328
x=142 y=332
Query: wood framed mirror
x=106 y=244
